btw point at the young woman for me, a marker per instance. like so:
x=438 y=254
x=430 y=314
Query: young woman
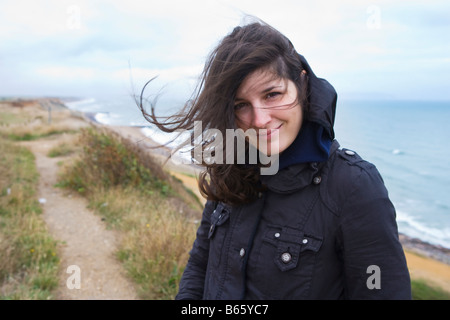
x=322 y=226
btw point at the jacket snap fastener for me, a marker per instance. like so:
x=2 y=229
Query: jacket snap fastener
x=277 y=235
x=317 y=180
x=305 y=241
x=350 y=152
x=242 y=252
x=286 y=257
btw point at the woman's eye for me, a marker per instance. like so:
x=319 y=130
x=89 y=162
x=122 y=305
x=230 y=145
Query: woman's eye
x=240 y=106
x=273 y=95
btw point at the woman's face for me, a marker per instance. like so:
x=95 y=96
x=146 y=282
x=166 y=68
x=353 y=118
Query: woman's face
x=269 y=105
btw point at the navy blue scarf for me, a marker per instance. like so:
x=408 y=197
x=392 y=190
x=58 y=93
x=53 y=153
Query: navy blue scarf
x=311 y=145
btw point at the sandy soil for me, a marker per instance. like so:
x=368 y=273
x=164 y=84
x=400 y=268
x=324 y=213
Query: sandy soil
x=86 y=243
x=432 y=271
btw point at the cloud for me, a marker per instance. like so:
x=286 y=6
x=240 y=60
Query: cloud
x=63 y=73
x=358 y=45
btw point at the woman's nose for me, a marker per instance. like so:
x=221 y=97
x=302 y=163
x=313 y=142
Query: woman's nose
x=260 y=116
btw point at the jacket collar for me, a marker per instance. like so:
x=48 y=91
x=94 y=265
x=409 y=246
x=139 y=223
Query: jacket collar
x=311 y=145
x=297 y=176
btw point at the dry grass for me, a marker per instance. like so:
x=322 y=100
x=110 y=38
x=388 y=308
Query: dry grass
x=35 y=131
x=31 y=121
x=28 y=264
x=155 y=214
x=156 y=238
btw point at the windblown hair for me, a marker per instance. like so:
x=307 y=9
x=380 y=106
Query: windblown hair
x=246 y=49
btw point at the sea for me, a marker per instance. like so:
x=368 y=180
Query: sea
x=408 y=141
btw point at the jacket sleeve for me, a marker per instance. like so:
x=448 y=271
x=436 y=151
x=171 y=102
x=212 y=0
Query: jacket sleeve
x=374 y=261
x=193 y=279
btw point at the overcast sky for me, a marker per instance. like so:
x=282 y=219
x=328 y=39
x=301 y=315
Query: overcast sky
x=366 y=49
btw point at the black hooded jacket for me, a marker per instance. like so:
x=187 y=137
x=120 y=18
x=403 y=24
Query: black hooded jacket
x=322 y=230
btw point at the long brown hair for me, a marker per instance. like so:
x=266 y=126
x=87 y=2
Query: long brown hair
x=246 y=49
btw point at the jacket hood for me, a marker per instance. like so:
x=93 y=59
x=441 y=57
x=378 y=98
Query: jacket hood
x=322 y=100
x=316 y=134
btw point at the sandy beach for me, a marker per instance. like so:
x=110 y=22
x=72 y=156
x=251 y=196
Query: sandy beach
x=425 y=261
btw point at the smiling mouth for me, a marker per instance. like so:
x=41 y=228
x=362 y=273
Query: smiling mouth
x=269 y=132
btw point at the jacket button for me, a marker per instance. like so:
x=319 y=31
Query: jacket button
x=242 y=252
x=349 y=152
x=286 y=257
x=305 y=241
x=317 y=179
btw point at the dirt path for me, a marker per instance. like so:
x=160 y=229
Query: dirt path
x=85 y=242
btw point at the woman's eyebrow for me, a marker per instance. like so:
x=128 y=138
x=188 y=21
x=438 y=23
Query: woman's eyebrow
x=266 y=90
x=271 y=88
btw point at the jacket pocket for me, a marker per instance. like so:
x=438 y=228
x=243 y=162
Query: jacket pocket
x=290 y=243
x=290 y=256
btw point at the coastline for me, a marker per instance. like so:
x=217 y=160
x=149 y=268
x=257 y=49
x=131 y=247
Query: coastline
x=426 y=249
x=425 y=260
x=190 y=172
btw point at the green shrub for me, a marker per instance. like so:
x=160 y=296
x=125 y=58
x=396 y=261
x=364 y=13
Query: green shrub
x=108 y=160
